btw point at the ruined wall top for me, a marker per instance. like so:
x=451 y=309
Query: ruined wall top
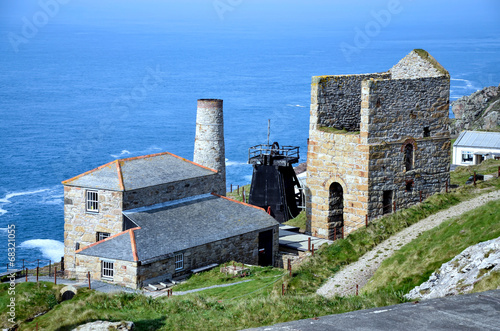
x=418 y=64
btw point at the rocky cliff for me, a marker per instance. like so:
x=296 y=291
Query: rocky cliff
x=461 y=274
x=478 y=111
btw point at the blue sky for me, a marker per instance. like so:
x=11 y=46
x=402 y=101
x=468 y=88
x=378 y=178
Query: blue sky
x=261 y=14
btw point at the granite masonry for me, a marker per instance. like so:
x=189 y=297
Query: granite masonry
x=376 y=142
x=151 y=218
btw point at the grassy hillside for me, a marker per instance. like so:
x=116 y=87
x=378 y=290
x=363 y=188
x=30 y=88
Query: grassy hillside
x=259 y=301
x=415 y=262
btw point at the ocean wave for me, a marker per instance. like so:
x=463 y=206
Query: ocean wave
x=123 y=153
x=51 y=249
x=2 y=211
x=150 y=150
x=234 y=163
x=300 y=106
x=9 y=196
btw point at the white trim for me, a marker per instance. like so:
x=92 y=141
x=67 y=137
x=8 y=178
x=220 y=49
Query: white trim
x=179 y=261
x=92 y=201
x=107 y=269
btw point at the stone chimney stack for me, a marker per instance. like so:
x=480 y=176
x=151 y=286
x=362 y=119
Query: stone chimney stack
x=209 y=148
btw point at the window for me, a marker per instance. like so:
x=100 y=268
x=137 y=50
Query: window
x=467 y=157
x=179 y=261
x=409 y=185
x=107 y=269
x=92 y=204
x=427 y=132
x=409 y=157
x=101 y=236
x=387 y=202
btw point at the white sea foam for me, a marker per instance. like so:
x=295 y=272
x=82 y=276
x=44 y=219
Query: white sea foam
x=300 y=106
x=11 y=195
x=146 y=151
x=248 y=178
x=123 y=153
x=234 y=163
x=51 y=249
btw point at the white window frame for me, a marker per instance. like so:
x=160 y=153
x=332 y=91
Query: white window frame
x=107 y=269
x=179 y=261
x=469 y=153
x=92 y=201
x=102 y=235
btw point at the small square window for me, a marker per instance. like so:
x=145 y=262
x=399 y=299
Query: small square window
x=102 y=235
x=179 y=261
x=427 y=132
x=107 y=269
x=467 y=157
x=92 y=202
x=409 y=185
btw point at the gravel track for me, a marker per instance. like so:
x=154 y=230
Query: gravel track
x=344 y=282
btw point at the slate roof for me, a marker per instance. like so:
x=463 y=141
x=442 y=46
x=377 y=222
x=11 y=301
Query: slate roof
x=138 y=172
x=178 y=225
x=478 y=139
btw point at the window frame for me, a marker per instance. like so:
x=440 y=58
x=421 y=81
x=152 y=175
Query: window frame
x=102 y=235
x=409 y=160
x=179 y=261
x=469 y=153
x=107 y=269
x=92 y=200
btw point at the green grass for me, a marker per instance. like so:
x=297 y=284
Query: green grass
x=239 y=196
x=259 y=301
x=337 y=131
x=415 y=262
x=314 y=272
x=460 y=175
x=31 y=299
x=299 y=221
x=198 y=312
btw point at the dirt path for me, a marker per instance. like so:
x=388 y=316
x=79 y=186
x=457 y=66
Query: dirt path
x=344 y=282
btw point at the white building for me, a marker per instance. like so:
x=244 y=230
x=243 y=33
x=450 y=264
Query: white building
x=473 y=147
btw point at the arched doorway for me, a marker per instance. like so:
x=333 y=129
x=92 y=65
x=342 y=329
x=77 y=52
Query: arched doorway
x=335 y=210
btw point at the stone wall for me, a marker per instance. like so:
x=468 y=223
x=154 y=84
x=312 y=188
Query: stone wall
x=393 y=110
x=336 y=158
x=338 y=100
x=400 y=112
x=171 y=191
x=243 y=248
x=124 y=272
x=209 y=148
x=81 y=226
x=391 y=116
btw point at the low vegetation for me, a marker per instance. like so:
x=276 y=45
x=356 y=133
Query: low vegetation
x=415 y=262
x=259 y=301
x=460 y=175
x=299 y=221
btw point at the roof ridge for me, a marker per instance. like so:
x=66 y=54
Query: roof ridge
x=120 y=175
x=197 y=164
x=108 y=238
x=67 y=181
x=133 y=244
x=240 y=202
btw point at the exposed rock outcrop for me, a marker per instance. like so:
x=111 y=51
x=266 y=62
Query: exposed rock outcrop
x=478 y=111
x=460 y=274
x=105 y=326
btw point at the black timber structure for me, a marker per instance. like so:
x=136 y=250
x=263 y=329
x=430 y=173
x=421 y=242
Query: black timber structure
x=275 y=186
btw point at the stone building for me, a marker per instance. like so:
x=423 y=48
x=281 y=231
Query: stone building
x=146 y=219
x=376 y=142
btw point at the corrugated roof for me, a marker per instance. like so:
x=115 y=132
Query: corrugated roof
x=138 y=172
x=478 y=139
x=182 y=224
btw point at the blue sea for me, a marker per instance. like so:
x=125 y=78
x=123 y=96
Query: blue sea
x=83 y=92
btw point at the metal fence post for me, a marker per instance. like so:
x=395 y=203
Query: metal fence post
x=88 y=275
x=55 y=275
